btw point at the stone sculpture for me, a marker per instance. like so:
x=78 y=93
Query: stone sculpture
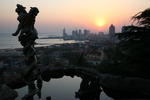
x=27 y=32
x=27 y=36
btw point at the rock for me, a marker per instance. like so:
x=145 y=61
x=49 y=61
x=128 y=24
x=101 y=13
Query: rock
x=125 y=87
x=7 y=93
x=15 y=82
x=48 y=98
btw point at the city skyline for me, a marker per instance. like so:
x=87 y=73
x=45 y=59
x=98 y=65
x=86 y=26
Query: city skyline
x=95 y=15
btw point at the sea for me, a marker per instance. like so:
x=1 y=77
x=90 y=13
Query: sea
x=7 y=41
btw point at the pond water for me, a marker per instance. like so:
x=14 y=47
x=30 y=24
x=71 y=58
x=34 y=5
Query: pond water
x=59 y=89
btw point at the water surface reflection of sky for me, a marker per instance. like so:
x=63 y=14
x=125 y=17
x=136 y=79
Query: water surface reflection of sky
x=59 y=89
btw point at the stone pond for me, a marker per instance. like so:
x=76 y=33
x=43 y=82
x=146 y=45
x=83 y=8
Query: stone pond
x=60 y=83
x=59 y=89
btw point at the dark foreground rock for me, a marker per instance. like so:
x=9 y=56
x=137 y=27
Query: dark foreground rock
x=7 y=93
x=125 y=87
x=117 y=87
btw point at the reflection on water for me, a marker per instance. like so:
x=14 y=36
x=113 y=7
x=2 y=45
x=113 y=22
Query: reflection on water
x=59 y=89
x=8 y=41
x=104 y=97
x=47 y=42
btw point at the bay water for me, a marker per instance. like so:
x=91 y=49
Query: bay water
x=7 y=41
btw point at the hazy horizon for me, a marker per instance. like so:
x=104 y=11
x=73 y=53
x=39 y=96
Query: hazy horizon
x=95 y=15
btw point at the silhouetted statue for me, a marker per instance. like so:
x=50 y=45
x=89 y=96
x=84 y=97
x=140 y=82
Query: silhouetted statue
x=27 y=32
x=27 y=36
x=39 y=83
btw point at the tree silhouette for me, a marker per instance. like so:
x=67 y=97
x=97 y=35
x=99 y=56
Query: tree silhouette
x=142 y=18
x=134 y=45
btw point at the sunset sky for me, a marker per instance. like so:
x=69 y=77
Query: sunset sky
x=96 y=15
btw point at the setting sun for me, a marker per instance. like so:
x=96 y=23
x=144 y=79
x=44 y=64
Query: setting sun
x=100 y=22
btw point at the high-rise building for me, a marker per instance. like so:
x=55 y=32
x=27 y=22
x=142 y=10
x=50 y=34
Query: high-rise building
x=86 y=32
x=64 y=34
x=64 y=31
x=112 y=33
x=80 y=32
x=111 y=29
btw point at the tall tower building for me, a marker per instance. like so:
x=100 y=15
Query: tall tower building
x=111 y=29
x=112 y=33
x=64 y=31
x=64 y=34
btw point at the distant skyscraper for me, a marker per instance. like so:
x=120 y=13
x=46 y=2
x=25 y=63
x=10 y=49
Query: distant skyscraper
x=111 y=29
x=64 y=33
x=80 y=31
x=86 y=32
x=112 y=33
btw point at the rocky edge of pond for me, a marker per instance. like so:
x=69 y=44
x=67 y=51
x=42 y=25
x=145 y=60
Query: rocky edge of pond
x=117 y=87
